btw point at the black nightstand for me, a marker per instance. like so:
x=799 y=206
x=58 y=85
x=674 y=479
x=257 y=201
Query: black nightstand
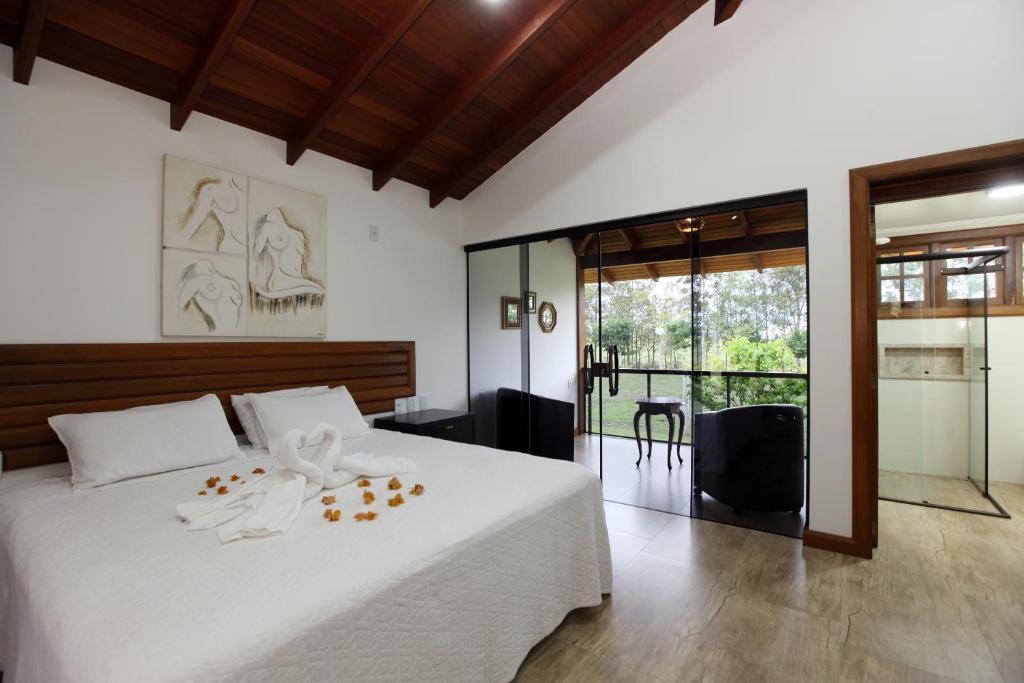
x=451 y=425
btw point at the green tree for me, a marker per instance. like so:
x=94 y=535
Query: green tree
x=742 y=354
x=797 y=342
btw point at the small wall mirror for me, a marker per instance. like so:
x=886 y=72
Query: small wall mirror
x=547 y=316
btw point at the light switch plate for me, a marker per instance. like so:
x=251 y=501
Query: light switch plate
x=412 y=404
x=401 y=406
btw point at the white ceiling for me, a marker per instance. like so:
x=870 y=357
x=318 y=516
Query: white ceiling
x=951 y=212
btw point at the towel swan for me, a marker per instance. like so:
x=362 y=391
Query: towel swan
x=323 y=470
x=269 y=504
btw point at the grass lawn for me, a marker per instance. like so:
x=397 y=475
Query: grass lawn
x=619 y=410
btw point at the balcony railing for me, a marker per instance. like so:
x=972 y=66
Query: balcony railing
x=724 y=389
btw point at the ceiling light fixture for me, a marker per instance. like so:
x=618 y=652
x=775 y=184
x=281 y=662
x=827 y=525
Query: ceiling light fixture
x=1006 y=191
x=688 y=225
x=882 y=240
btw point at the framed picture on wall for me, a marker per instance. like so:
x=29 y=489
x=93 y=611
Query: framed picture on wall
x=548 y=317
x=531 y=302
x=511 y=313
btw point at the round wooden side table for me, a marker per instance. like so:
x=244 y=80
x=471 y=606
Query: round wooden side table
x=669 y=406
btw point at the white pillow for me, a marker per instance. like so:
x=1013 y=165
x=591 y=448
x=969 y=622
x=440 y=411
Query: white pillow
x=278 y=414
x=242 y=403
x=111 y=446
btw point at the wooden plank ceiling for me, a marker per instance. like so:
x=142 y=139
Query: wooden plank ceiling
x=439 y=93
x=755 y=239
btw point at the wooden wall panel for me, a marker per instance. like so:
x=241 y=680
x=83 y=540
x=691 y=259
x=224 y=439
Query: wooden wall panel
x=38 y=381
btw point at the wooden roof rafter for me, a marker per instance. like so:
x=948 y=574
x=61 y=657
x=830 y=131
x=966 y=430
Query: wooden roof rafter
x=741 y=216
x=725 y=9
x=352 y=78
x=409 y=89
x=471 y=88
x=28 y=41
x=535 y=108
x=628 y=237
x=581 y=248
x=209 y=57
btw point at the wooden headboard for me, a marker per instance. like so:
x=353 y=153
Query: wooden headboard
x=38 y=381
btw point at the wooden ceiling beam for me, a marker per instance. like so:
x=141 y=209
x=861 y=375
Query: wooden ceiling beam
x=628 y=238
x=744 y=221
x=652 y=271
x=28 y=42
x=582 y=246
x=724 y=9
x=211 y=54
x=471 y=88
x=352 y=77
x=617 y=42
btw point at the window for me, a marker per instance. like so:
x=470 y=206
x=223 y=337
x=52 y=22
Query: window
x=1019 y=256
x=904 y=283
x=986 y=281
x=934 y=288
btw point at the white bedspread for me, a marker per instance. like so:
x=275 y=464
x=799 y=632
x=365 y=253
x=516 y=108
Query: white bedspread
x=455 y=585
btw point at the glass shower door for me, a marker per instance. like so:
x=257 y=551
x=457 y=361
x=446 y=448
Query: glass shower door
x=980 y=282
x=978 y=401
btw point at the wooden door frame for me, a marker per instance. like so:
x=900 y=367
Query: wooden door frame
x=951 y=172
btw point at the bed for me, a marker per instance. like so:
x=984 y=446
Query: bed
x=458 y=584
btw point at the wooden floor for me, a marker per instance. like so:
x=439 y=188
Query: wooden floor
x=943 y=600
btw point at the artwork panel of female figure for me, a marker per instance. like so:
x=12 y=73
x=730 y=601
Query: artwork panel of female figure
x=241 y=257
x=203 y=294
x=204 y=207
x=287 y=261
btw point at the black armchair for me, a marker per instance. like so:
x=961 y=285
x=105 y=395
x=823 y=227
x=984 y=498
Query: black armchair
x=533 y=424
x=751 y=457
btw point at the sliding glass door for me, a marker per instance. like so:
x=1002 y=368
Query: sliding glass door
x=638 y=296
x=635 y=349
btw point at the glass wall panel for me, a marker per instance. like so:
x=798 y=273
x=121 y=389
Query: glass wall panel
x=750 y=389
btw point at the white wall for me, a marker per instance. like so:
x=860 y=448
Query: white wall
x=553 y=363
x=787 y=94
x=1006 y=396
x=80 y=192
x=924 y=425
